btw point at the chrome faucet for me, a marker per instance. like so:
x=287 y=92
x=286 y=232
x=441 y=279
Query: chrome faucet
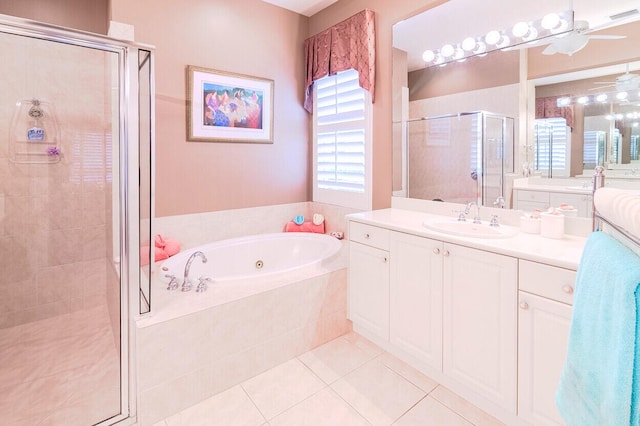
x=500 y=202
x=186 y=284
x=476 y=218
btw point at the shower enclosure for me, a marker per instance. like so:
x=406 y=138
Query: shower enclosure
x=459 y=158
x=75 y=205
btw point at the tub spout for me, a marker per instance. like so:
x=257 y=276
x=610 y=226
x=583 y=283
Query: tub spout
x=186 y=284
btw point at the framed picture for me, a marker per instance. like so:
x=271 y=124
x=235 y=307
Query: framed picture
x=228 y=107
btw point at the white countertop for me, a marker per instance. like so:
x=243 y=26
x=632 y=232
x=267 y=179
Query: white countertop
x=564 y=253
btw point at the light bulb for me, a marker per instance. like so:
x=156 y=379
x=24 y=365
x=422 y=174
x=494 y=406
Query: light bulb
x=601 y=97
x=492 y=37
x=533 y=34
x=583 y=100
x=447 y=50
x=550 y=21
x=480 y=48
x=622 y=95
x=438 y=60
x=469 y=44
x=428 y=56
x=458 y=54
x=562 y=27
x=520 y=29
x=619 y=116
x=563 y=101
x=608 y=117
x=504 y=42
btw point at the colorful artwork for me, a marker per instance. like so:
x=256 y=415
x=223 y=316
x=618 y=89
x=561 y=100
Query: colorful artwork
x=225 y=107
x=232 y=106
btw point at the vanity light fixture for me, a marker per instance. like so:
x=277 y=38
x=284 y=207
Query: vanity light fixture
x=552 y=24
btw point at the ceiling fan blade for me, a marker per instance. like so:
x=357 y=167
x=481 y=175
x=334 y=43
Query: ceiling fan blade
x=550 y=50
x=606 y=37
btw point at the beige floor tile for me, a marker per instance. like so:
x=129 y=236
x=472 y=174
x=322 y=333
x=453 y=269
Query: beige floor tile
x=430 y=412
x=340 y=356
x=282 y=387
x=229 y=408
x=325 y=408
x=378 y=393
x=463 y=407
x=411 y=374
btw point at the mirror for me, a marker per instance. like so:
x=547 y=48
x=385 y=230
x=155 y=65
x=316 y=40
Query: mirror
x=507 y=83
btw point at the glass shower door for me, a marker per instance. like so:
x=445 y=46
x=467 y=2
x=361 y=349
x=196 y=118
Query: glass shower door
x=60 y=286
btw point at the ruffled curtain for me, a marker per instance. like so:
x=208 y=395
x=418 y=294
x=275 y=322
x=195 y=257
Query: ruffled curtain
x=349 y=44
x=548 y=108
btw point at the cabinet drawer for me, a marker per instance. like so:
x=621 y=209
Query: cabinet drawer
x=369 y=235
x=537 y=196
x=547 y=281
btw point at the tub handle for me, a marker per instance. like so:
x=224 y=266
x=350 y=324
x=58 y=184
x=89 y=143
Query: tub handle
x=173 y=282
x=202 y=284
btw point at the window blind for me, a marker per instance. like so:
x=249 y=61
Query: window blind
x=340 y=115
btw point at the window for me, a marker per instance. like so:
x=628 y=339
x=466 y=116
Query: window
x=342 y=141
x=552 y=146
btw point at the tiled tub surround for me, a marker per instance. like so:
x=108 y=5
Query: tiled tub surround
x=194 y=346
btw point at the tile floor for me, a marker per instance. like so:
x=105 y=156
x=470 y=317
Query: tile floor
x=62 y=371
x=347 y=381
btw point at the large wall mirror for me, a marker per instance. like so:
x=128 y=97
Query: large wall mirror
x=471 y=120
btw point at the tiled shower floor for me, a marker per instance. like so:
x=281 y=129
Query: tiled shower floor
x=347 y=381
x=60 y=371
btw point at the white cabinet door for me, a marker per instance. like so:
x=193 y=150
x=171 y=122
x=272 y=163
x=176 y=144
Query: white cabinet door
x=543 y=332
x=415 y=296
x=369 y=288
x=480 y=322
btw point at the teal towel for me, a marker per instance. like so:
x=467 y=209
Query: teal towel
x=600 y=382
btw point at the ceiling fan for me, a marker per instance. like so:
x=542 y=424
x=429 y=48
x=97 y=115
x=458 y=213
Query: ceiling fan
x=576 y=40
x=622 y=83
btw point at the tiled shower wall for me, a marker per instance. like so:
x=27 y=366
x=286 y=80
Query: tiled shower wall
x=54 y=229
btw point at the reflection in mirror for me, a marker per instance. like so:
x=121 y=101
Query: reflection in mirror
x=481 y=144
x=507 y=83
x=600 y=124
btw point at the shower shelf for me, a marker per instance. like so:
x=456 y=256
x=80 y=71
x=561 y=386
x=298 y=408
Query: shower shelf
x=30 y=113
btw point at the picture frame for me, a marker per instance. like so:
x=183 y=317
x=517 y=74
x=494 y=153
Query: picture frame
x=228 y=107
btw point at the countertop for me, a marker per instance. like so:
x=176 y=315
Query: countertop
x=564 y=253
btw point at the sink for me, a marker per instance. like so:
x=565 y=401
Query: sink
x=469 y=229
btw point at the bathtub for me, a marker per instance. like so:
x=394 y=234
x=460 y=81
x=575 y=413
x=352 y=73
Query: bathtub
x=255 y=256
x=272 y=297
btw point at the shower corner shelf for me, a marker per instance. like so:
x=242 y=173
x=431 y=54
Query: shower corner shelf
x=34 y=113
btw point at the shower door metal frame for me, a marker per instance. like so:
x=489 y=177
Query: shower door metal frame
x=129 y=181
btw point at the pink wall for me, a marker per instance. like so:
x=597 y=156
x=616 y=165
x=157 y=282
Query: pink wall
x=249 y=37
x=387 y=13
x=87 y=15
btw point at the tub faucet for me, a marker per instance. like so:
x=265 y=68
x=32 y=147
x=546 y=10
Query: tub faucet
x=186 y=284
x=476 y=218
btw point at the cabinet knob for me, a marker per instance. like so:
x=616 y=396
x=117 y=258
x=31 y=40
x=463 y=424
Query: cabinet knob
x=366 y=236
x=524 y=305
x=446 y=253
x=436 y=251
x=567 y=289
x=384 y=259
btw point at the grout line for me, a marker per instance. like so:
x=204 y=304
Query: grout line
x=254 y=404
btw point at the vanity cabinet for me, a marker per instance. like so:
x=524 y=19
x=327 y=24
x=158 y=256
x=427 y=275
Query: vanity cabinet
x=415 y=302
x=480 y=322
x=369 y=278
x=545 y=299
x=490 y=326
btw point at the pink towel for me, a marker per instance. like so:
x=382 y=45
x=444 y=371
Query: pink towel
x=164 y=248
x=305 y=227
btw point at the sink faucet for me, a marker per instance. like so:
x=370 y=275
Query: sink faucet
x=186 y=284
x=476 y=218
x=500 y=202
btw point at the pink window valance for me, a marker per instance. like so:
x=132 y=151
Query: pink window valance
x=548 y=108
x=349 y=44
